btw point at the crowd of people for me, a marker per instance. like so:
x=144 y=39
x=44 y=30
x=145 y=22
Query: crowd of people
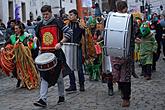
x=148 y=37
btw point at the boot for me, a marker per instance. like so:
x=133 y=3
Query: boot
x=125 y=103
x=153 y=69
x=148 y=78
x=135 y=75
x=18 y=83
x=142 y=74
x=110 y=92
x=110 y=87
x=61 y=99
x=82 y=89
x=71 y=89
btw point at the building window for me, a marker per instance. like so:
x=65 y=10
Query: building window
x=10 y=4
x=23 y=12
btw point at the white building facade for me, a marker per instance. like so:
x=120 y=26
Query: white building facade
x=31 y=8
x=57 y=5
x=7 y=9
x=4 y=14
x=69 y=4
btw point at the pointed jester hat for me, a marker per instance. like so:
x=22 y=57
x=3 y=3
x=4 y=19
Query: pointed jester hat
x=144 y=29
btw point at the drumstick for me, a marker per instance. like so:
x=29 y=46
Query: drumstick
x=100 y=41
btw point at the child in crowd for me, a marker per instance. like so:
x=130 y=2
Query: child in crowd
x=148 y=47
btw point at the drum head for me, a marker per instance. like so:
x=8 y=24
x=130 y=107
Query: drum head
x=44 y=58
x=117 y=35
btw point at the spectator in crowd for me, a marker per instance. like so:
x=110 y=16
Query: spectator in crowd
x=29 y=23
x=155 y=25
x=8 y=23
x=2 y=25
x=10 y=31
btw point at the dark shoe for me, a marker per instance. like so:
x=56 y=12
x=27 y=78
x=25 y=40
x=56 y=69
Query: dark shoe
x=12 y=76
x=142 y=74
x=40 y=103
x=18 y=83
x=148 y=78
x=61 y=99
x=71 y=89
x=135 y=75
x=153 y=69
x=125 y=103
x=82 y=89
x=163 y=58
x=103 y=81
x=110 y=92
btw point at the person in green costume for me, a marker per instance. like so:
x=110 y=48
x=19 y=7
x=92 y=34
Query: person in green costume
x=19 y=36
x=148 y=46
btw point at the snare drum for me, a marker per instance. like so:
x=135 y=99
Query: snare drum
x=118 y=33
x=46 y=61
x=71 y=53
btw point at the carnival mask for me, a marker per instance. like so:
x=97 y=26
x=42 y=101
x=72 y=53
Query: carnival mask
x=155 y=19
x=144 y=29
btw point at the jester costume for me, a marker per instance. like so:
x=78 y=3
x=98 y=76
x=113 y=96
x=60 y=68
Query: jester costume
x=17 y=58
x=93 y=32
x=148 y=47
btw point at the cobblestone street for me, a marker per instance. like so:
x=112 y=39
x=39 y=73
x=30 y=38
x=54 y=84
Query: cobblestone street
x=146 y=95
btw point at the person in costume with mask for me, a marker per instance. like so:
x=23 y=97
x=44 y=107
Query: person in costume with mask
x=16 y=58
x=148 y=47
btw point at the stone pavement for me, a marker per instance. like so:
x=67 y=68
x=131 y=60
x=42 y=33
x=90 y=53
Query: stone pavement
x=146 y=95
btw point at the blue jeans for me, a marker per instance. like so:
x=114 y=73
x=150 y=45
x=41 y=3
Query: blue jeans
x=80 y=71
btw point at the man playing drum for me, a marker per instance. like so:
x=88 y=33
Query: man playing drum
x=49 y=33
x=78 y=31
x=122 y=65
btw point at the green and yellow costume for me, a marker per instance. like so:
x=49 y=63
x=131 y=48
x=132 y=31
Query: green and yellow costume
x=148 y=45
